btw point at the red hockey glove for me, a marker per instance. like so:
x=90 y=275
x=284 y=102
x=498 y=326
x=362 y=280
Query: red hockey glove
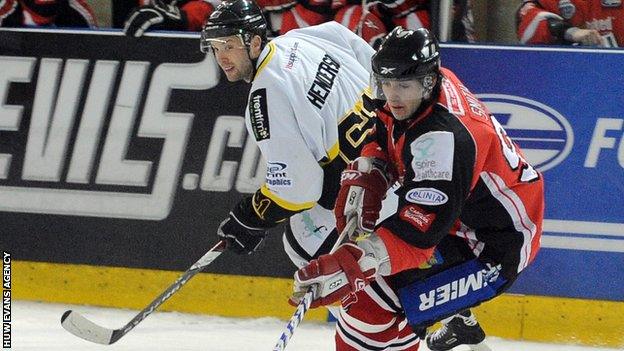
x=362 y=188
x=334 y=276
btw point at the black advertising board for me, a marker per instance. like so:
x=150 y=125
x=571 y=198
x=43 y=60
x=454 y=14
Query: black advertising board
x=120 y=151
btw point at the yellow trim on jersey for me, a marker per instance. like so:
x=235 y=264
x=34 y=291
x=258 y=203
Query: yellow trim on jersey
x=332 y=153
x=266 y=59
x=284 y=203
x=367 y=91
x=358 y=107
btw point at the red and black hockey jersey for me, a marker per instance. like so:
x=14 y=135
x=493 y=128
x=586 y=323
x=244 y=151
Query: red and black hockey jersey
x=410 y=14
x=60 y=13
x=196 y=11
x=605 y=16
x=459 y=173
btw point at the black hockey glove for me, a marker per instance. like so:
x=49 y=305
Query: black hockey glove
x=240 y=233
x=157 y=16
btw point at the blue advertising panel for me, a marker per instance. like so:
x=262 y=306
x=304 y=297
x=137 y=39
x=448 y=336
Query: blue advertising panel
x=565 y=108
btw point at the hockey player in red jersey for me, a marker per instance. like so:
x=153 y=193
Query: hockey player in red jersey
x=190 y=15
x=590 y=22
x=184 y=15
x=371 y=20
x=468 y=219
x=51 y=13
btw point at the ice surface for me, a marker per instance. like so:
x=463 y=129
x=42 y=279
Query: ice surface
x=36 y=326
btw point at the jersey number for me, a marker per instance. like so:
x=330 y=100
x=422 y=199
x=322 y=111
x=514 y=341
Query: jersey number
x=514 y=159
x=353 y=130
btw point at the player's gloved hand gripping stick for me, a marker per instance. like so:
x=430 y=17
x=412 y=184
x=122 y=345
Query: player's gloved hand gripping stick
x=306 y=300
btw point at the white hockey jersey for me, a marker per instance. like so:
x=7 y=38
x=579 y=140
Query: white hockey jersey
x=307 y=81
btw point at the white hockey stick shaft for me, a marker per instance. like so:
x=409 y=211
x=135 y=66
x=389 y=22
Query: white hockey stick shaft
x=83 y=328
x=306 y=301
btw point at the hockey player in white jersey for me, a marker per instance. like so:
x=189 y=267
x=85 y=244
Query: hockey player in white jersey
x=306 y=112
x=309 y=110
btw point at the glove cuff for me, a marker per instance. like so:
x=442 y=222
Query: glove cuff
x=368 y=165
x=244 y=214
x=358 y=268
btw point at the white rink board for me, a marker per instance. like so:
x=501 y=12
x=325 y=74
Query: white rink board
x=36 y=326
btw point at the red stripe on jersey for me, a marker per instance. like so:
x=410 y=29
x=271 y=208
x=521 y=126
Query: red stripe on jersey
x=33 y=18
x=349 y=16
x=414 y=20
x=521 y=220
x=85 y=11
x=533 y=25
x=6 y=8
x=300 y=17
x=503 y=182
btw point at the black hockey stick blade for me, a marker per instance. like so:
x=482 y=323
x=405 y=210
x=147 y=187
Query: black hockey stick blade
x=83 y=328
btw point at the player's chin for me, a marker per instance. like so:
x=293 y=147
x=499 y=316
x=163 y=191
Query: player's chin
x=232 y=75
x=399 y=114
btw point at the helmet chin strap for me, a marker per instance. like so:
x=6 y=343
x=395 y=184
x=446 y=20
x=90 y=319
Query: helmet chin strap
x=429 y=83
x=254 y=61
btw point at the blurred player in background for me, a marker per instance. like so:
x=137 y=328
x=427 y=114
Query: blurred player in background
x=50 y=13
x=591 y=22
x=368 y=19
x=469 y=215
x=374 y=19
x=139 y=16
x=180 y=15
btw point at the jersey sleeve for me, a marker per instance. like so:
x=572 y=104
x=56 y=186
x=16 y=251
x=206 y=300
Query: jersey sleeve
x=539 y=22
x=436 y=185
x=76 y=13
x=7 y=9
x=294 y=178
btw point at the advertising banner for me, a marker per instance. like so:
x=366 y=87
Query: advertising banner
x=565 y=108
x=121 y=152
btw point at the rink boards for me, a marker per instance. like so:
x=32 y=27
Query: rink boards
x=120 y=156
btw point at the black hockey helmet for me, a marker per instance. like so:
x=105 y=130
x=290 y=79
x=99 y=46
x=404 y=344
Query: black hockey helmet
x=407 y=54
x=234 y=17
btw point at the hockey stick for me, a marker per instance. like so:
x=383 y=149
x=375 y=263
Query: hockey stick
x=83 y=328
x=306 y=301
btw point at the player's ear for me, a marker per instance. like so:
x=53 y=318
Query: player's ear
x=255 y=46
